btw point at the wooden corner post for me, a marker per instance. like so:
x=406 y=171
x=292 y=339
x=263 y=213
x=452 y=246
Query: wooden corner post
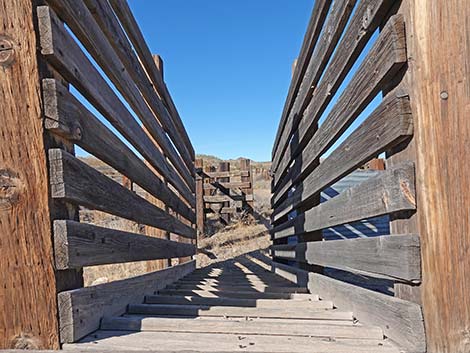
x=438 y=34
x=28 y=298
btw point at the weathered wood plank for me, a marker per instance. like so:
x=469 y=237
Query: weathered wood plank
x=386 y=57
x=238 y=287
x=109 y=24
x=76 y=182
x=402 y=321
x=258 y=327
x=27 y=281
x=315 y=25
x=78 y=245
x=226 y=198
x=226 y=174
x=237 y=294
x=67 y=117
x=81 y=310
x=63 y=52
x=389 y=192
x=230 y=185
x=387 y=126
x=132 y=29
x=366 y=19
x=397 y=256
x=201 y=310
x=333 y=29
x=79 y=19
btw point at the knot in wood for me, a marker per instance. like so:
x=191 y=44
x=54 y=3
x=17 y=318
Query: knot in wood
x=7 y=52
x=10 y=188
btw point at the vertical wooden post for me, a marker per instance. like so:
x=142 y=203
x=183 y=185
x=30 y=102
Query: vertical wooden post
x=199 y=164
x=225 y=167
x=245 y=165
x=28 y=297
x=438 y=40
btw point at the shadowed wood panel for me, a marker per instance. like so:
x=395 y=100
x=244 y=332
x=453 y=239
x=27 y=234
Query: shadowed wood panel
x=76 y=182
x=387 y=126
x=395 y=256
x=389 y=192
x=81 y=310
x=66 y=116
x=77 y=245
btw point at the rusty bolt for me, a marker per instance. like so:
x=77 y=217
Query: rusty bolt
x=7 y=52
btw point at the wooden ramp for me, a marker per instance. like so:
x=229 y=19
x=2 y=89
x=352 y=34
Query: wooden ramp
x=235 y=307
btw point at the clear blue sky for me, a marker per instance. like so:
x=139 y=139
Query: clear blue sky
x=228 y=66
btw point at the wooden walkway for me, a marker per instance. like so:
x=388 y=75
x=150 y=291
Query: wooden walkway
x=235 y=307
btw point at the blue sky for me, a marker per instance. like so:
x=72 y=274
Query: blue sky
x=228 y=66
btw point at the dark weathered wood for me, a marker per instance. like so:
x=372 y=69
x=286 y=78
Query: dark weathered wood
x=200 y=217
x=367 y=17
x=333 y=29
x=393 y=256
x=78 y=245
x=107 y=20
x=27 y=282
x=315 y=25
x=382 y=63
x=389 y=192
x=402 y=321
x=83 y=25
x=81 y=310
x=64 y=53
x=230 y=185
x=245 y=165
x=387 y=126
x=135 y=35
x=66 y=116
x=76 y=182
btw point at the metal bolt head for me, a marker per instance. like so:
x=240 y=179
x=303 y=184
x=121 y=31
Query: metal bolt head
x=7 y=52
x=444 y=95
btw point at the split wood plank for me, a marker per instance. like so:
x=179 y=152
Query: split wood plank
x=77 y=245
x=67 y=117
x=387 y=126
x=64 y=53
x=76 y=182
x=395 y=256
x=81 y=310
x=388 y=192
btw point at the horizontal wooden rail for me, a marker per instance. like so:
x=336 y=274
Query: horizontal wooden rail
x=396 y=256
x=78 y=245
x=401 y=320
x=67 y=117
x=81 y=310
x=367 y=17
x=230 y=185
x=385 y=127
x=243 y=173
x=76 y=182
x=389 y=192
x=382 y=63
x=64 y=53
x=226 y=198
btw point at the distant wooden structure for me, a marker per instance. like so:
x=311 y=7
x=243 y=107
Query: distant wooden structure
x=225 y=192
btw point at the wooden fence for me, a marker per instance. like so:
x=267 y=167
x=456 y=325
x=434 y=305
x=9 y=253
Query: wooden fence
x=411 y=57
x=224 y=192
x=79 y=73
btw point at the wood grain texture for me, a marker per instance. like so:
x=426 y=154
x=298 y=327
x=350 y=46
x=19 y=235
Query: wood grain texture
x=63 y=52
x=366 y=19
x=396 y=256
x=389 y=192
x=383 y=61
x=402 y=321
x=81 y=310
x=76 y=182
x=333 y=28
x=78 y=245
x=81 y=22
x=27 y=283
x=439 y=45
x=109 y=24
x=387 y=126
x=67 y=117
x=135 y=35
x=241 y=173
x=315 y=26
